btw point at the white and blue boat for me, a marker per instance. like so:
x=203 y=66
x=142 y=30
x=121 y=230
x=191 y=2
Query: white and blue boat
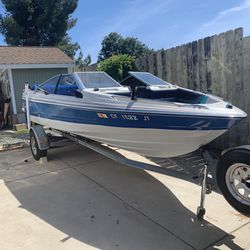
x=143 y=114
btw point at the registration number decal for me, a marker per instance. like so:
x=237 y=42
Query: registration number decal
x=124 y=117
x=130 y=117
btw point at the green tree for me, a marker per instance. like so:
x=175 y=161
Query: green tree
x=87 y=60
x=68 y=47
x=39 y=23
x=115 y=44
x=83 y=63
x=117 y=66
x=79 y=61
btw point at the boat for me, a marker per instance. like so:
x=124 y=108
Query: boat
x=142 y=113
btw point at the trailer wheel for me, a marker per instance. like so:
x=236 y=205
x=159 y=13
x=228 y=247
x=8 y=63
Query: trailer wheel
x=36 y=152
x=233 y=176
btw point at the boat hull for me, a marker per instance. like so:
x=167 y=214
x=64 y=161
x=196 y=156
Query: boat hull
x=150 y=128
x=146 y=141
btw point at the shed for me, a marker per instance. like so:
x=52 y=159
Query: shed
x=19 y=65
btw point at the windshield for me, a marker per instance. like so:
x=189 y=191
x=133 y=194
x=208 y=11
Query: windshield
x=148 y=78
x=97 y=80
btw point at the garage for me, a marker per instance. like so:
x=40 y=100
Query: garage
x=20 y=65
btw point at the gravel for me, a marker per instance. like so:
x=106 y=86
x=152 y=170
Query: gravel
x=10 y=137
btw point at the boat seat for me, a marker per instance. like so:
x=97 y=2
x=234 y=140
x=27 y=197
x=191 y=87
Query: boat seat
x=65 y=89
x=175 y=95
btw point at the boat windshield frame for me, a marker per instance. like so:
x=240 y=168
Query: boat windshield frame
x=77 y=82
x=99 y=83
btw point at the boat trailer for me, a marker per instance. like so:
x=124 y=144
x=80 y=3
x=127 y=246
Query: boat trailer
x=41 y=141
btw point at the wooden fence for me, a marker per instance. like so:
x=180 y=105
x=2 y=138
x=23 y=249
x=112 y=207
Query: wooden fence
x=219 y=64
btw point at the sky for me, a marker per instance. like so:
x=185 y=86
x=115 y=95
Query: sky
x=157 y=23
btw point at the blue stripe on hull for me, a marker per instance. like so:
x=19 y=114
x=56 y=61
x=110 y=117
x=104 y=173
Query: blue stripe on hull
x=129 y=119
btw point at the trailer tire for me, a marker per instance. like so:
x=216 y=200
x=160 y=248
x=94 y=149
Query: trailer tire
x=36 y=152
x=233 y=177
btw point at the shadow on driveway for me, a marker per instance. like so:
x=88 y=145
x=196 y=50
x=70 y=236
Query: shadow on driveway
x=103 y=204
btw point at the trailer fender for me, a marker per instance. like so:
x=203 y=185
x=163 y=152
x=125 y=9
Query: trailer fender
x=42 y=138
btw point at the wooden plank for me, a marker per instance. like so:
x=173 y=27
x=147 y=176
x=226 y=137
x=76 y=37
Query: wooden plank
x=238 y=93
x=138 y=63
x=229 y=66
x=195 y=64
x=143 y=68
x=202 y=66
x=246 y=76
x=173 y=64
x=189 y=66
x=141 y=63
x=222 y=71
x=207 y=50
x=151 y=63
x=246 y=84
x=184 y=66
x=178 y=70
x=169 y=65
x=146 y=63
x=164 y=65
x=159 y=64
x=154 y=64
x=181 y=66
x=214 y=63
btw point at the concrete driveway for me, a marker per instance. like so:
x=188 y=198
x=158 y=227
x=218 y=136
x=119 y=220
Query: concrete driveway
x=81 y=200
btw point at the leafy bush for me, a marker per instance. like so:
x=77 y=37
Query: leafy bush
x=115 y=44
x=117 y=66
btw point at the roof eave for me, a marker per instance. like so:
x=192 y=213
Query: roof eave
x=36 y=66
